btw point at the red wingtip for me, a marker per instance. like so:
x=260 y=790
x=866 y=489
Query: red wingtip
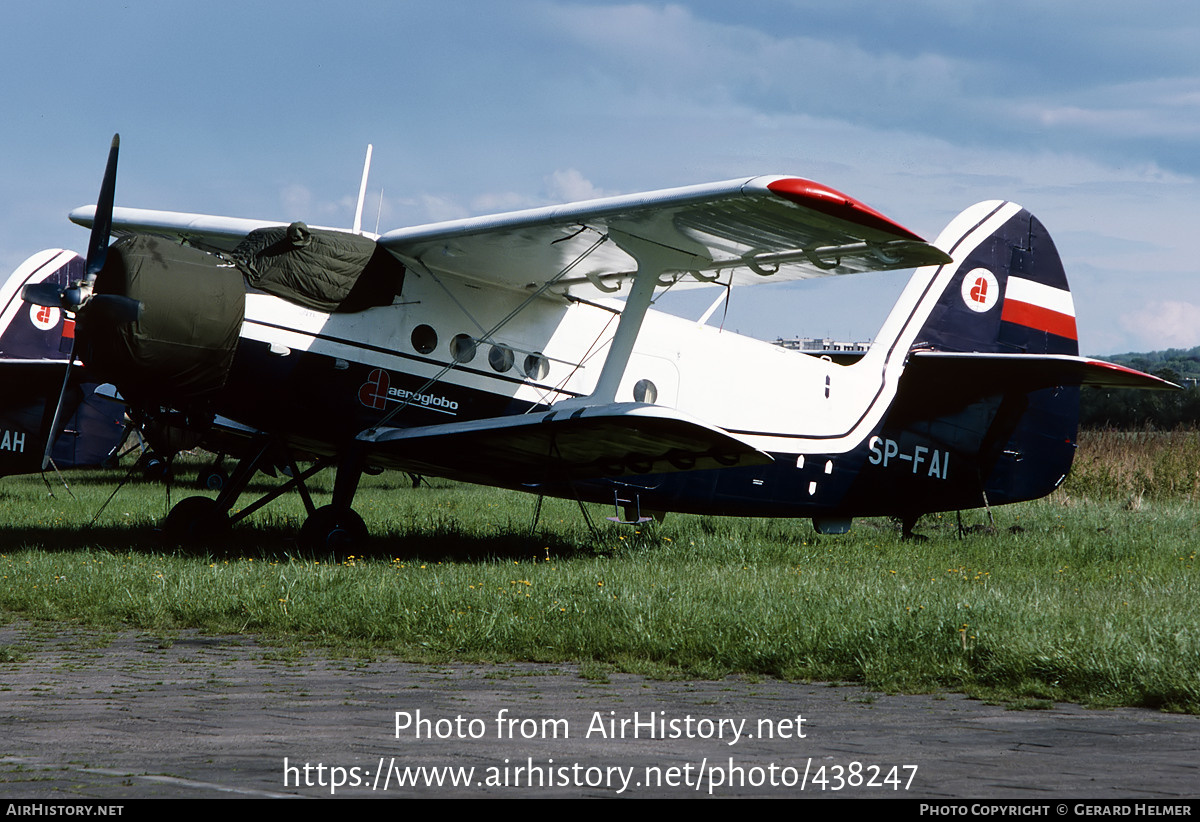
x=836 y=204
x=1121 y=376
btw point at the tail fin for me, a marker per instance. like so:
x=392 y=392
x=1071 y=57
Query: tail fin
x=32 y=332
x=35 y=342
x=977 y=362
x=994 y=366
x=1005 y=293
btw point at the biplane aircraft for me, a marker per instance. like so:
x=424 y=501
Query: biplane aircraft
x=520 y=350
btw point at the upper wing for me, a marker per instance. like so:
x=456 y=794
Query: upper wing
x=761 y=229
x=776 y=228
x=205 y=230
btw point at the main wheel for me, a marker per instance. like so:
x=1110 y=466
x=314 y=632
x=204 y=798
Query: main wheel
x=212 y=479
x=154 y=468
x=329 y=528
x=193 y=520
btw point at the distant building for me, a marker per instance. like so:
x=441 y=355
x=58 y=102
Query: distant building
x=815 y=345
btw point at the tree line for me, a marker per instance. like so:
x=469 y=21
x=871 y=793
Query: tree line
x=1127 y=409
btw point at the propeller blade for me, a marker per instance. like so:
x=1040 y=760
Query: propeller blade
x=58 y=407
x=78 y=296
x=47 y=294
x=102 y=224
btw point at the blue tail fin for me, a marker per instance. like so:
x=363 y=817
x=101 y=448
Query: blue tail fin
x=1005 y=293
x=979 y=381
x=33 y=332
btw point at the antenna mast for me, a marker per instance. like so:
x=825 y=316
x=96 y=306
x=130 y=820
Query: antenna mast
x=362 y=192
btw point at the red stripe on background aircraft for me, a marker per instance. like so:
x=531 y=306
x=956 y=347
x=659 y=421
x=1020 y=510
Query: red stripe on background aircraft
x=493 y=350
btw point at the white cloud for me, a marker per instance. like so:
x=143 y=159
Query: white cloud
x=664 y=59
x=297 y=202
x=1160 y=108
x=499 y=201
x=437 y=208
x=569 y=185
x=1164 y=324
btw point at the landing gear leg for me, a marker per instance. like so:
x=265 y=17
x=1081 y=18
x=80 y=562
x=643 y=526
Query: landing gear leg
x=907 y=523
x=199 y=519
x=337 y=527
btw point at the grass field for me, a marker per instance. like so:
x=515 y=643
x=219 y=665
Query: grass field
x=1090 y=596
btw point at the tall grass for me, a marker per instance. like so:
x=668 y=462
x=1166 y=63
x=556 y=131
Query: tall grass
x=1134 y=466
x=1079 y=597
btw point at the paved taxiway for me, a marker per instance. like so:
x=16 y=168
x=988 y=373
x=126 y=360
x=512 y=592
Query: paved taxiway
x=130 y=715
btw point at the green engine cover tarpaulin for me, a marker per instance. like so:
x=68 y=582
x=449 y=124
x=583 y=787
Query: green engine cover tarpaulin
x=182 y=346
x=323 y=270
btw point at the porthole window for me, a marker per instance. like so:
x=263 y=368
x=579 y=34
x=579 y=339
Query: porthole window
x=645 y=391
x=462 y=348
x=536 y=367
x=424 y=339
x=501 y=358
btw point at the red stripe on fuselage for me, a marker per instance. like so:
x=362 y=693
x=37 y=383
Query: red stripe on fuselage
x=1042 y=319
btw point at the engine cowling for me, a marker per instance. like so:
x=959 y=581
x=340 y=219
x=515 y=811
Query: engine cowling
x=179 y=351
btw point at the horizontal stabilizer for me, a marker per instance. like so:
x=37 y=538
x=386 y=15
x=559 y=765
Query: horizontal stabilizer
x=597 y=441
x=1027 y=371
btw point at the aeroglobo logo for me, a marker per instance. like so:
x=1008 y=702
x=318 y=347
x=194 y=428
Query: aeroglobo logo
x=373 y=393
x=377 y=392
x=980 y=290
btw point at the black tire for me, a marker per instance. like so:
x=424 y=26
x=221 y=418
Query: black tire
x=332 y=529
x=194 y=520
x=155 y=468
x=213 y=479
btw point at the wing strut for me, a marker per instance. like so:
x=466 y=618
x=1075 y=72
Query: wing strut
x=653 y=260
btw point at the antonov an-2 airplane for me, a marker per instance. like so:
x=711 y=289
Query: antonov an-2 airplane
x=493 y=350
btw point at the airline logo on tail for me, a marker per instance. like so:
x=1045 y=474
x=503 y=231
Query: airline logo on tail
x=43 y=317
x=980 y=290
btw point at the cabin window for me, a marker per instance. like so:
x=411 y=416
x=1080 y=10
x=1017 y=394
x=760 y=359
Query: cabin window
x=536 y=366
x=463 y=348
x=424 y=339
x=645 y=391
x=501 y=358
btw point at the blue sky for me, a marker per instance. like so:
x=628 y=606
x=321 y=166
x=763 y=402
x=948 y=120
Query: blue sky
x=1087 y=113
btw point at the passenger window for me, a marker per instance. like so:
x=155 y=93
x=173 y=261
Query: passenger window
x=462 y=348
x=501 y=358
x=424 y=339
x=536 y=366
